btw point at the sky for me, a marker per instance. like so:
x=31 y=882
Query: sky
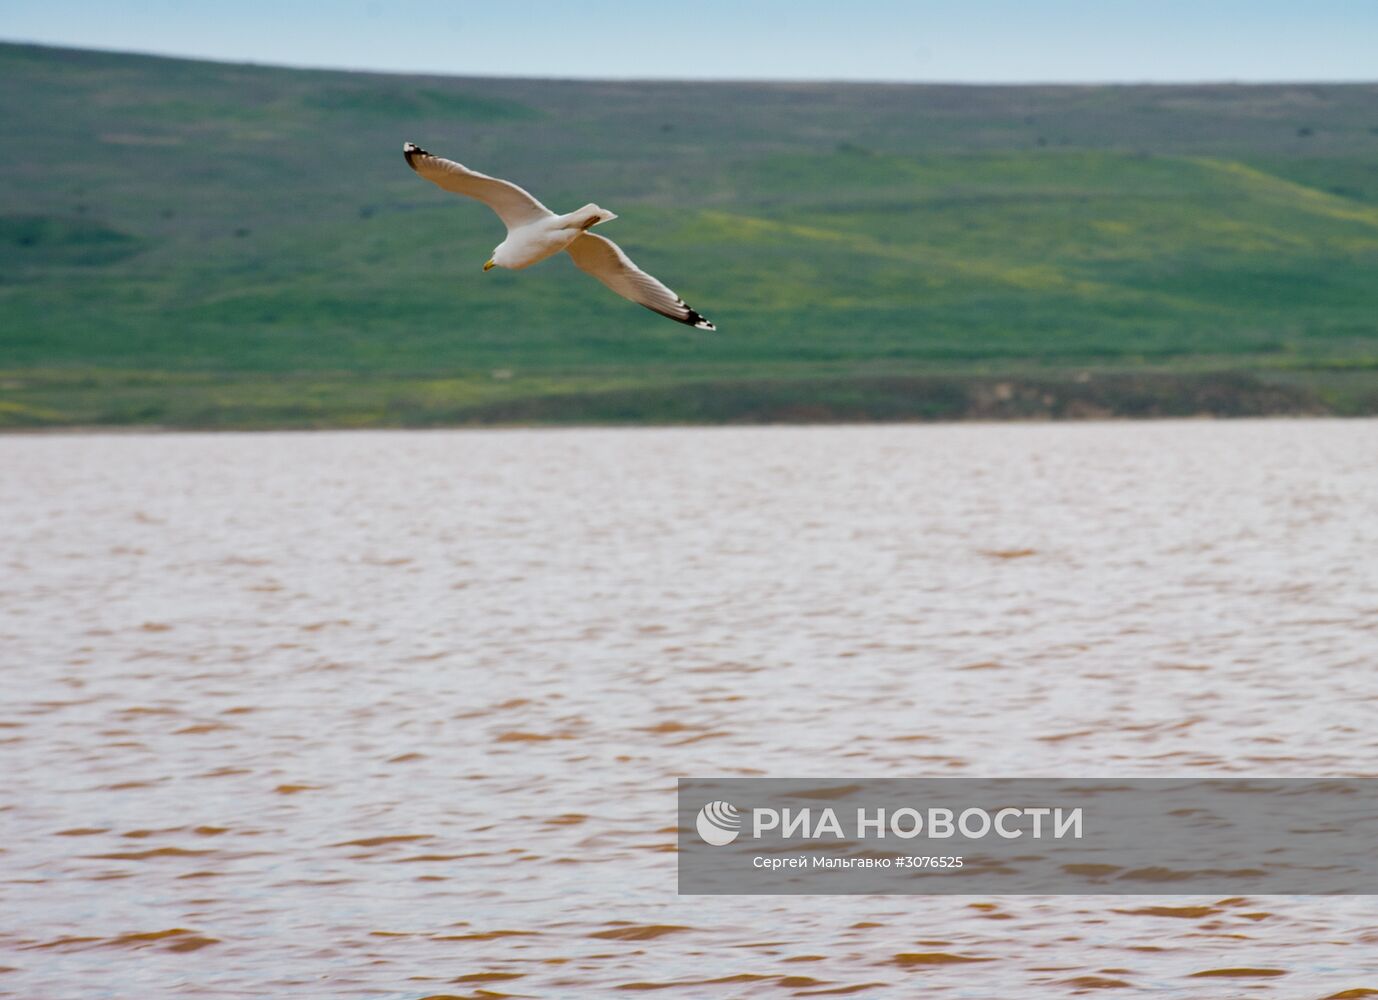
x=963 y=41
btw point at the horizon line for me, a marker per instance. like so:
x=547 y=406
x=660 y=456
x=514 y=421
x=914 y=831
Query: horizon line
x=784 y=81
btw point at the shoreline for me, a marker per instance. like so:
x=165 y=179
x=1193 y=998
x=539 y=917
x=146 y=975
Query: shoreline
x=153 y=402
x=126 y=430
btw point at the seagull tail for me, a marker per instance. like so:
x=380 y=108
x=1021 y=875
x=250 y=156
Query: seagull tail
x=586 y=218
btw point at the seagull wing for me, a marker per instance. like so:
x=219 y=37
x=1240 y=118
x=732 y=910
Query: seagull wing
x=514 y=206
x=605 y=260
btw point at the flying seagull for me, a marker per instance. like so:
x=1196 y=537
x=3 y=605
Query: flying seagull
x=534 y=233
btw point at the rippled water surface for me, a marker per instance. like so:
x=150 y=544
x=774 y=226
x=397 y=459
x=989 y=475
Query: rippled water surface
x=399 y=715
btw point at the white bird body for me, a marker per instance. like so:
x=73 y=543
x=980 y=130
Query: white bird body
x=534 y=233
x=545 y=237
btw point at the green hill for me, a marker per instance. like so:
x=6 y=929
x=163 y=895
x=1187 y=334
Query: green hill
x=200 y=244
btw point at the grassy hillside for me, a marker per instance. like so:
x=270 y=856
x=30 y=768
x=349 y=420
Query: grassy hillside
x=198 y=244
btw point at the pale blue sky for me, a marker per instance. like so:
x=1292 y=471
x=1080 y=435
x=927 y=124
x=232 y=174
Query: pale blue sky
x=966 y=41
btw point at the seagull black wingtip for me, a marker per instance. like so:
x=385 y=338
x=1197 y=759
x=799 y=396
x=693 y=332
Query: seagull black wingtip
x=410 y=150
x=697 y=321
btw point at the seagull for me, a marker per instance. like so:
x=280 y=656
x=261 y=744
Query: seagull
x=534 y=233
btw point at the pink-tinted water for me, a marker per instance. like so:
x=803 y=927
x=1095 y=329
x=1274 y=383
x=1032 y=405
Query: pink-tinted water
x=394 y=715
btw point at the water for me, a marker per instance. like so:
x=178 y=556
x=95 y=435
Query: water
x=399 y=715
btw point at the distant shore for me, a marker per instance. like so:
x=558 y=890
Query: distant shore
x=869 y=253
x=54 y=401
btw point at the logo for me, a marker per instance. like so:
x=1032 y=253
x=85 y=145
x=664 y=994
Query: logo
x=719 y=823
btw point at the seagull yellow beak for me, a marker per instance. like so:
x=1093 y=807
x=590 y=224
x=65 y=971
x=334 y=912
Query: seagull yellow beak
x=490 y=265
